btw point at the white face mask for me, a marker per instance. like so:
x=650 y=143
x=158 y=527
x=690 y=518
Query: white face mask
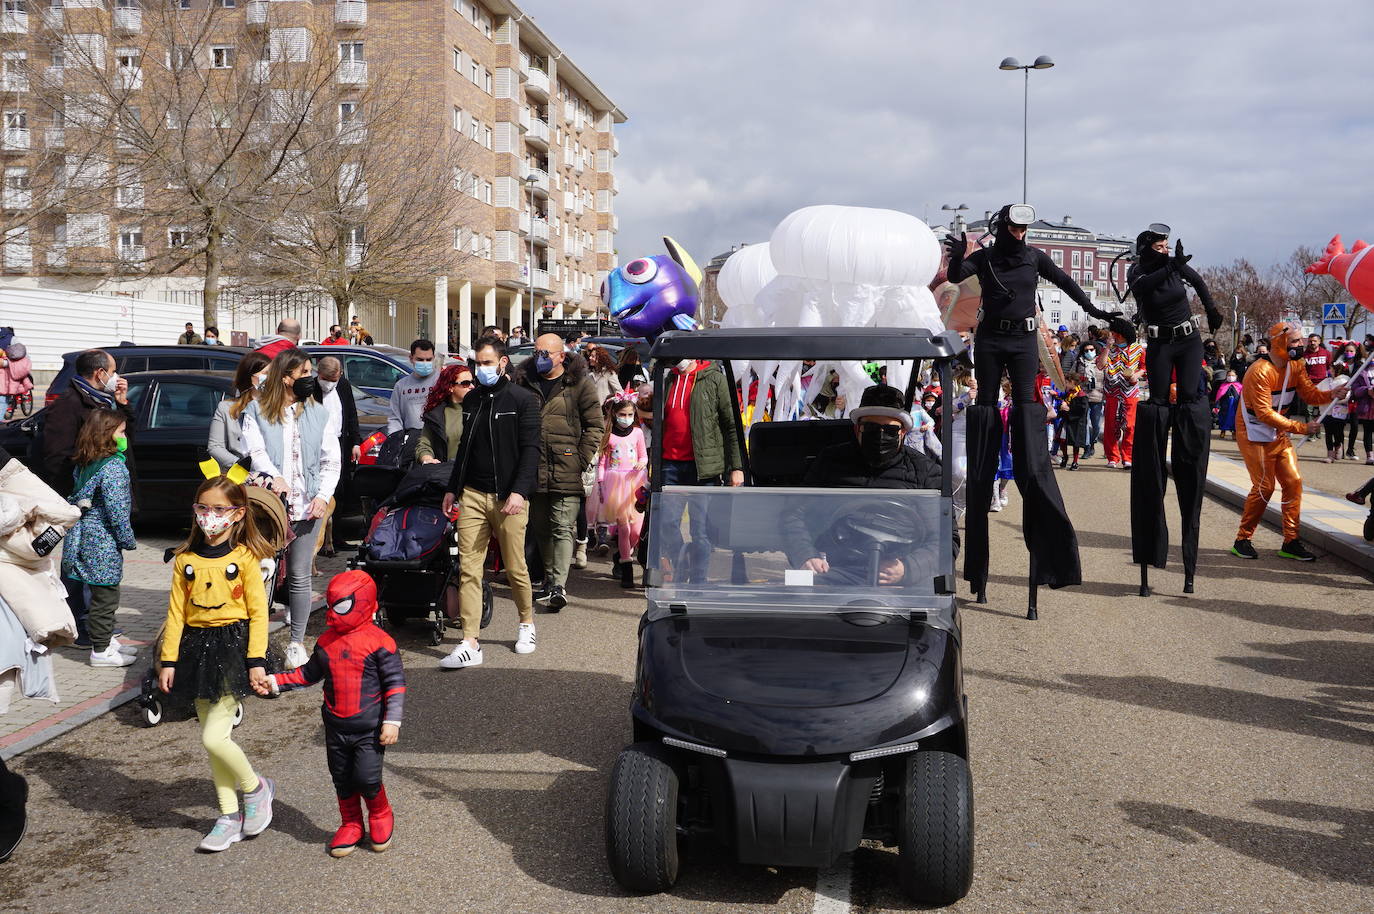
x=624 y=421
x=259 y=380
x=112 y=382
x=213 y=524
x=686 y=365
x=327 y=386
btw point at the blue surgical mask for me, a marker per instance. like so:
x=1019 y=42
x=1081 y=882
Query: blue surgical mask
x=487 y=375
x=543 y=363
x=424 y=369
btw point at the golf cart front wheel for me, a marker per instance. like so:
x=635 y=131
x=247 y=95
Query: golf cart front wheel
x=641 y=820
x=936 y=856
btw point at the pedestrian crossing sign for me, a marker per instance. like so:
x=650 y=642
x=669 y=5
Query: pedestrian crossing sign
x=1334 y=313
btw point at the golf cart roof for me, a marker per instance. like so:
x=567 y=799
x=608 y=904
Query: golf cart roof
x=821 y=343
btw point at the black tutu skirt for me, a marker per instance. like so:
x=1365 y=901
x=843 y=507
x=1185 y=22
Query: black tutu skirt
x=210 y=664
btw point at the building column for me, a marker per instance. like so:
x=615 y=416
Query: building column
x=558 y=311
x=465 y=315
x=489 y=308
x=517 y=311
x=441 y=314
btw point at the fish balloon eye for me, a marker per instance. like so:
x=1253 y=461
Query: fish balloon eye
x=231 y=571
x=639 y=271
x=605 y=292
x=190 y=572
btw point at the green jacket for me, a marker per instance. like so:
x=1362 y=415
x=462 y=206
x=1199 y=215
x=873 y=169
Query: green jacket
x=715 y=442
x=572 y=424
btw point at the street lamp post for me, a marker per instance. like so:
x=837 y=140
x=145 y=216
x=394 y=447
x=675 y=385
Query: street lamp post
x=958 y=219
x=529 y=183
x=1043 y=62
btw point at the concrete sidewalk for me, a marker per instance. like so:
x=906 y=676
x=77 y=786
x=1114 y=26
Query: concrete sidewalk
x=87 y=692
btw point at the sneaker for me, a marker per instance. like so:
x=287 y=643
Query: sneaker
x=464 y=655
x=257 y=807
x=1356 y=497
x=1074 y=465
x=82 y=644
x=1112 y=464
x=111 y=657
x=541 y=591
x=122 y=647
x=1125 y=464
x=296 y=655
x=1294 y=549
x=1244 y=549
x=996 y=505
x=524 y=642
x=228 y=830
x=556 y=598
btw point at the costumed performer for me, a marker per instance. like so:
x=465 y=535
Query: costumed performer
x=621 y=469
x=1173 y=349
x=1007 y=340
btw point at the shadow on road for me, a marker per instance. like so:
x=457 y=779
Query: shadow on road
x=1290 y=715
x=553 y=820
x=1310 y=854
x=1338 y=663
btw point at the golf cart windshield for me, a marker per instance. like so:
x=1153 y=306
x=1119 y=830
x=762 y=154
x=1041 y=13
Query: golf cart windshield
x=792 y=549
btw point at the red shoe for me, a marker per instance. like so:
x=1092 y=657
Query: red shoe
x=350 y=833
x=379 y=820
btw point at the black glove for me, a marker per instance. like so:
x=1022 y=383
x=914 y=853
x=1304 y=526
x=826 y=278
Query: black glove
x=1214 y=321
x=1101 y=315
x=956 y=245
x=1180 y=259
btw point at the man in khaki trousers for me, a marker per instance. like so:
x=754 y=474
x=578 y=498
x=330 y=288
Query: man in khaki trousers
x=494 y=473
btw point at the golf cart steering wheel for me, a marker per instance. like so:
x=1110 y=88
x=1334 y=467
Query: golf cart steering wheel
x=878 y=530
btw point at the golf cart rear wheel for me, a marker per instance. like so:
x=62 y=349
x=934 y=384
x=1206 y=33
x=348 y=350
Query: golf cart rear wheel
x=936 y=858
x=641 y=820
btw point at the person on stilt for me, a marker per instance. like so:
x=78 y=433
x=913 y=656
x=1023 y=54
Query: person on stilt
x=1173 y=348
x=1007 y=340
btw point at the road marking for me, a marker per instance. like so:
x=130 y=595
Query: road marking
x=832 y=888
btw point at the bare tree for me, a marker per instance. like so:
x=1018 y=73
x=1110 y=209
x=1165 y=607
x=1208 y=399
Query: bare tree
x=376 y=189
x=182 y=129
x=1257 y=299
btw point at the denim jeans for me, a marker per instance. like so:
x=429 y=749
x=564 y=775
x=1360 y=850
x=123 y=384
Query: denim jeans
x=684 y=473
x=300 y=556
x=1095 y=413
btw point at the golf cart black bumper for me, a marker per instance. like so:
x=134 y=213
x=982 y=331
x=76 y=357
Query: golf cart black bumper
x=798 y=814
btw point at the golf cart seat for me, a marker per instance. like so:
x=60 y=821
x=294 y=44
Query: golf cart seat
x=780 y=453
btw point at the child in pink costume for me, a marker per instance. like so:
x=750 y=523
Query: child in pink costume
x=620 y=471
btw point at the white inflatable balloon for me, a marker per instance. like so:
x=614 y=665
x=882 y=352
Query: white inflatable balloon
x=745 y=274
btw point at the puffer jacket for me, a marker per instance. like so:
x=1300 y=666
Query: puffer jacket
x=715 y=440
x=16 y=377
x=572 y=426
x=29 y=581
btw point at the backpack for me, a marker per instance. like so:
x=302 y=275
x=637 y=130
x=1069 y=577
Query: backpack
x=408 y=535
x=398 y=450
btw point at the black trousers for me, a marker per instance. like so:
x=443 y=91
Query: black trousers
x=1018 y=354
x=355 y=761
x=1179 y=359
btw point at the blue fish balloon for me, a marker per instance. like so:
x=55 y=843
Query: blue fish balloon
x=652 y=295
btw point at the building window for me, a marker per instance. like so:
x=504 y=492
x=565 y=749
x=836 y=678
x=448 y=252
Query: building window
x=1077 y=258
x=1088 y=259
x=130 y=239
x=222 y=57
x=486 y=136
x=1058 y=257
x=178 y=238
x=457 y=118
x=1054 y=318
x=1101 y=271
x=350 y=52
x=228 y=4
x=458 y=60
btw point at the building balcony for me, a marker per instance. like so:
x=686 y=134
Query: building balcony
x=16 y=198
x=350 y=14
x=18 y=257
x=128 y=20
x=129 y=79
x=615 y=145
x=14 y=22
x=541 y=180
x=542 y=282
x=57 y=257
x=54 y=137
x=353 y=73
x=255 y=14
x=14 y=82
x=352 y=133
x=538 y=134
x=541 y=231
x=14 y=140
x=524 y=223
x=53 y=18
x=132 y=254
x=523 y=118
x=615 y=184
x=260 y=71
x=538 y=84
x=55 y=76
x=129 y=197
x=353 y=255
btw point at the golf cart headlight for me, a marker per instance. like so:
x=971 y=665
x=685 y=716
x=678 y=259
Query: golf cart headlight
x=883 y=752
x=693 y=747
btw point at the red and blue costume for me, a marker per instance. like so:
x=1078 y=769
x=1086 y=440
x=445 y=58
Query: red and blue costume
x=364 y=688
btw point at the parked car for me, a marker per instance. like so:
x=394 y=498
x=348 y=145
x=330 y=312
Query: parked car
x=168 y=440
x=612 y=344
x=367 y=367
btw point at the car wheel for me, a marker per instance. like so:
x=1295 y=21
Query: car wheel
x=936 y=858
x=641 y=820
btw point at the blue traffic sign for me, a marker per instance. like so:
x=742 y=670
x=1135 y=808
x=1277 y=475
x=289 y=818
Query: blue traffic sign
x=1334 y=313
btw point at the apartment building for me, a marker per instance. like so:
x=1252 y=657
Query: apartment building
x=540 y=171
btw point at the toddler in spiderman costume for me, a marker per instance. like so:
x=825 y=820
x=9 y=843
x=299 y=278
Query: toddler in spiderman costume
x=364 y=691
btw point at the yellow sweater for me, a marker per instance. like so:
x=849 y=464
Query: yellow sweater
x=208 y=593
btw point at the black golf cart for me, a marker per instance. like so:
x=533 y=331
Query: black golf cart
x=784 y=711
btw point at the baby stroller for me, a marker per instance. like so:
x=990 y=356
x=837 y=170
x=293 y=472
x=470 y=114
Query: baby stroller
x=411 y=551
x=269 y=514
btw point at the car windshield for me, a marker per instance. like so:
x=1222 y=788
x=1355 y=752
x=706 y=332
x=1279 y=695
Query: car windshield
x=793 y=549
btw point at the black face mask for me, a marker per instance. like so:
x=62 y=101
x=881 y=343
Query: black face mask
x=303 y=388
x=880 y=445
x=1296 y=353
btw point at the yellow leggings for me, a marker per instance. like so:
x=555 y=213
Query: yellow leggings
x=229 y=765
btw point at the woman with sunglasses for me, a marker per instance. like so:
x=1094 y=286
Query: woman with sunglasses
x=441 y=424
x=1173 y=355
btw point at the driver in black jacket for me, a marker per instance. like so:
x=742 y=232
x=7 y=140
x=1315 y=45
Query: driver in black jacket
x=875 y=459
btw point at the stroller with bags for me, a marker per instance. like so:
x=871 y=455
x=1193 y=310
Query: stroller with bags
x=411 y=551
x=269 y=514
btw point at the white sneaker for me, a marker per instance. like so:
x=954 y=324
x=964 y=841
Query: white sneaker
x=111 y=657
x=296 y=655
x=464 y=655
x=122 y=647
x=996 y=504
x=524 y=642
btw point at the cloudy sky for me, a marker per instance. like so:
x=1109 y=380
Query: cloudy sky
x=1246 y=125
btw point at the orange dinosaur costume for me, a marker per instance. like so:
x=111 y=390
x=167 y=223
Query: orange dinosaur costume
x=1269 y=455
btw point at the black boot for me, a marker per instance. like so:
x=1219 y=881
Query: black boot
x=627 y=575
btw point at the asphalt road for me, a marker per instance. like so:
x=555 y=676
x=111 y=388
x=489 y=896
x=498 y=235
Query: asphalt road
x=1178 y=753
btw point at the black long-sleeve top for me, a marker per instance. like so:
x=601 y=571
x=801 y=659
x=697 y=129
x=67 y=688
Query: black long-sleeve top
x=1161 y=294
x=1009 y=280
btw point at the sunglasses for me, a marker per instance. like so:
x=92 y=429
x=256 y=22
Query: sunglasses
x=217 y=510
x=463 y=384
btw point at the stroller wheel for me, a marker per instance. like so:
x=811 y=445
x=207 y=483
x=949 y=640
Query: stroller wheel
x=238 y=714
x=152 y=712
x=488 y=602
x=436 y=633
